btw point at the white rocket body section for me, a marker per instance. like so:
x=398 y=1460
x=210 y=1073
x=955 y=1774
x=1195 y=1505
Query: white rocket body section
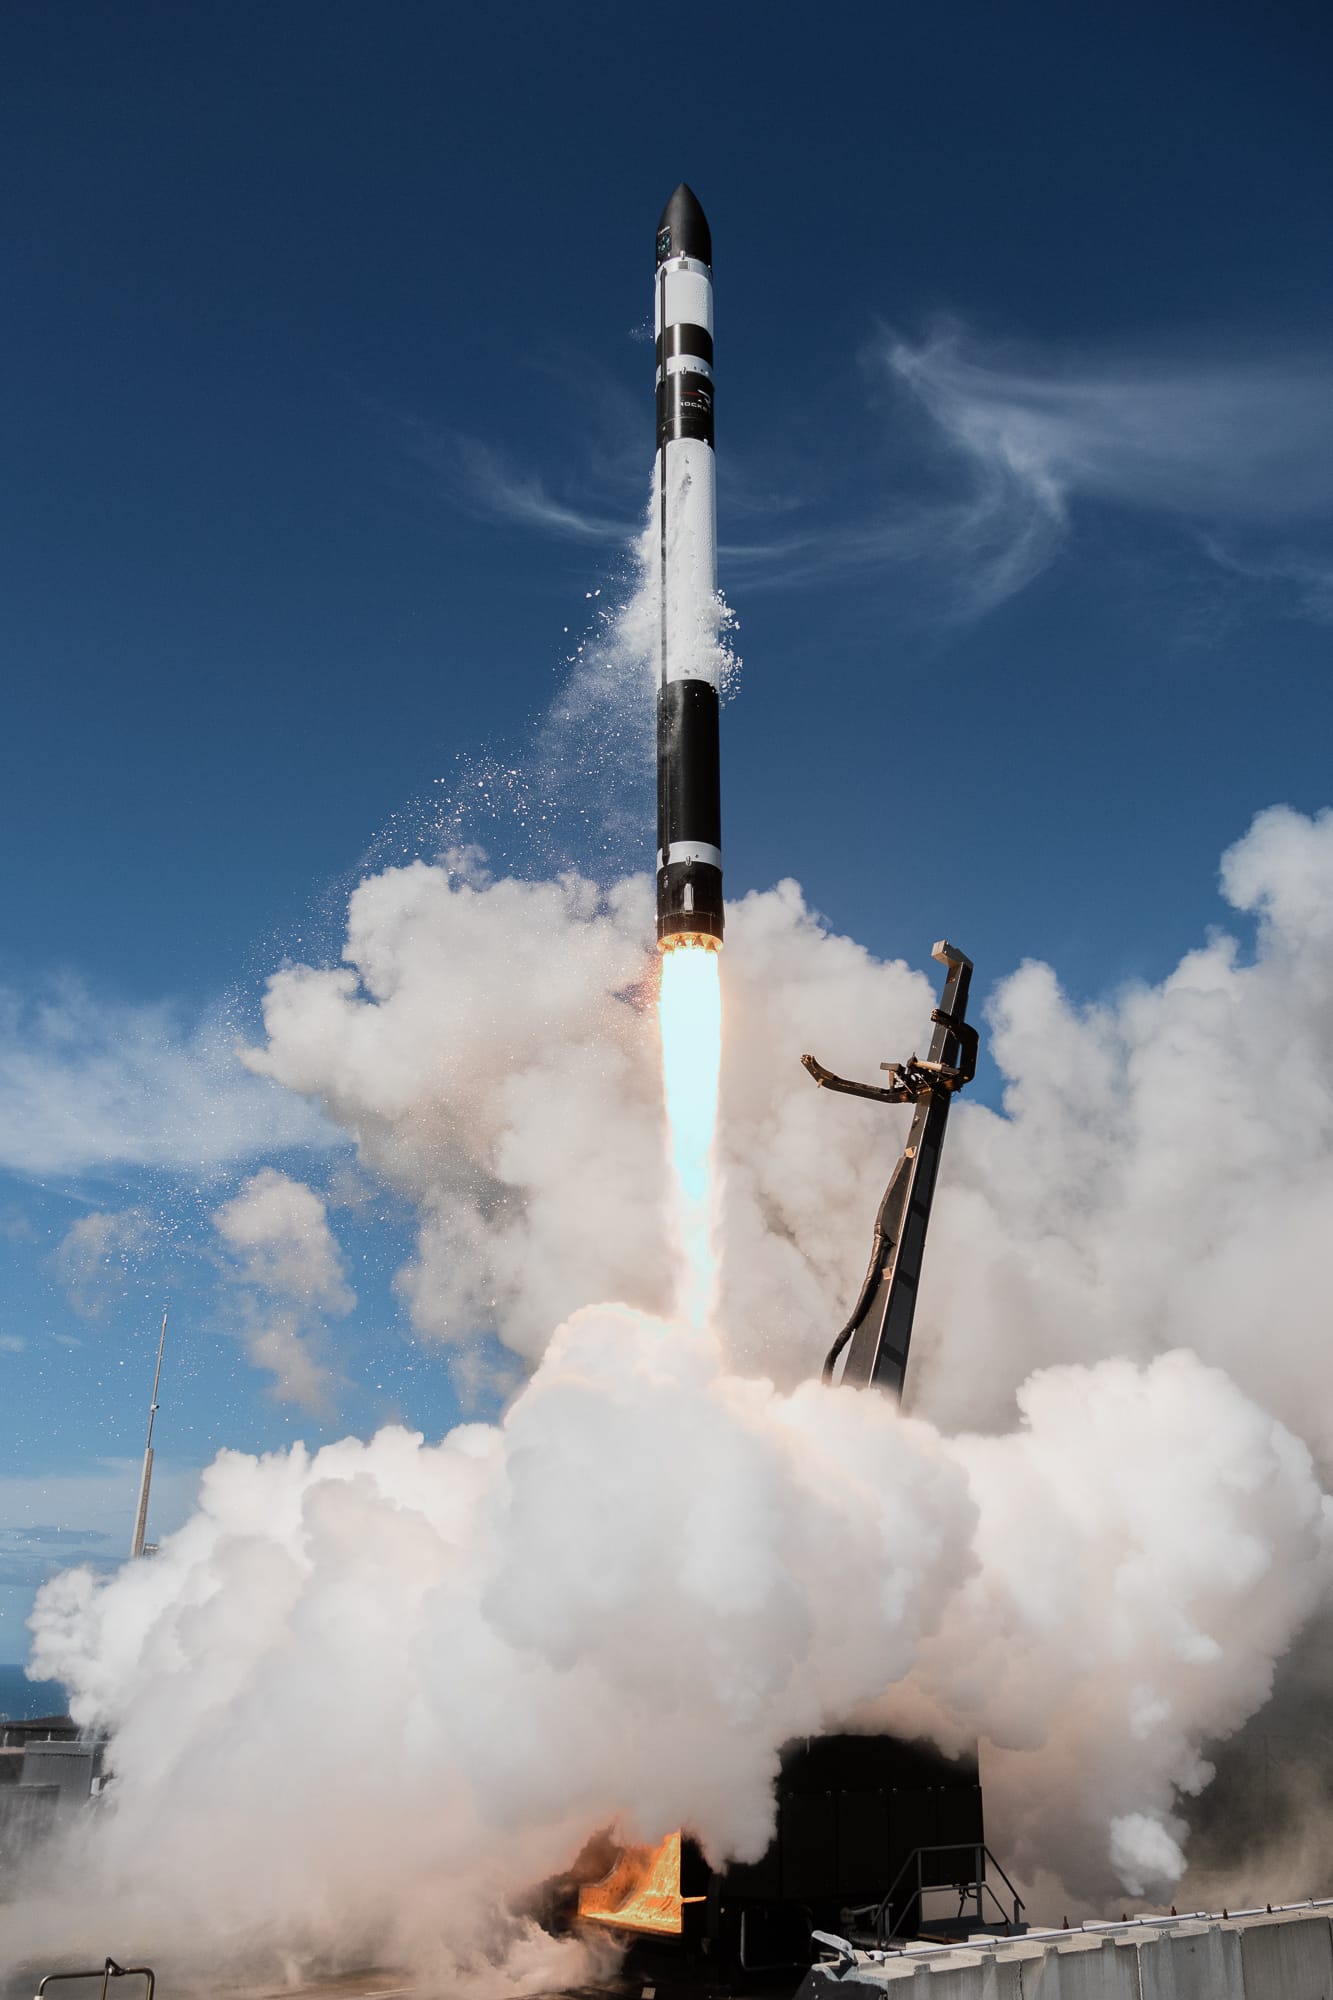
x=684 y=294
x=689 y=563
x=686 y=491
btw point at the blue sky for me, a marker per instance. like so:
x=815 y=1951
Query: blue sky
x=326 y=407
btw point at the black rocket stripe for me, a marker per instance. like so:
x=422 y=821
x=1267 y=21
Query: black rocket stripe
x=689 y=791
x=684 y=338
x=685 y=408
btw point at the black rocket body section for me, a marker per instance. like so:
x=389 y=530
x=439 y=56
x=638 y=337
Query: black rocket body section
x=689 y=806
x=689 y=812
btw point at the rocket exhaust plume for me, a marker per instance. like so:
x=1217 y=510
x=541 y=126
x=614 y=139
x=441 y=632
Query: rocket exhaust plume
x=689 y=1012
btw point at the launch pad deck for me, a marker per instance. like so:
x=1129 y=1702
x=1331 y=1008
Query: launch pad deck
x=1279 y=1954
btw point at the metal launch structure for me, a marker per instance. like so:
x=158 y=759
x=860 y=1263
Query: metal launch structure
x=877 y=1336
x=867 y=1826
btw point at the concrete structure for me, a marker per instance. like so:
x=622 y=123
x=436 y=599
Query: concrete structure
x=48 y=1770
x=1284 y=1954
x=15 y=1738
x=69 y=1767
x=28 y=1814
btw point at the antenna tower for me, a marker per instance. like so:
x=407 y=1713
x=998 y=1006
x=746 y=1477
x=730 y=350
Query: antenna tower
x=141 y=1513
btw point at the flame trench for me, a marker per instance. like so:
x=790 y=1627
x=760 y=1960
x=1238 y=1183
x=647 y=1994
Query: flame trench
x=642 y=1891
x=689 y=1013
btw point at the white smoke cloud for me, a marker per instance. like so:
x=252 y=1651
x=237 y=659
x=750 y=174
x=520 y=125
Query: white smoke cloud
x=619 y=1603
x=279 y=1231
x=492 y=1049
x=1149 y=1543
x=1161 y=1157
x=483 y=1046
x=288 y=1261
x=1164 y=1171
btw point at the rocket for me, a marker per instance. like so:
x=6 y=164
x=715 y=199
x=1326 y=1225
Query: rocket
x=689 y=811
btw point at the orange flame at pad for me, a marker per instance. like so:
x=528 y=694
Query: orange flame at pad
x=641 y=1892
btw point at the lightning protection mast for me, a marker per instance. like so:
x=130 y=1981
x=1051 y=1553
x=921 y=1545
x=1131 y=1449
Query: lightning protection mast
x=141 y=1512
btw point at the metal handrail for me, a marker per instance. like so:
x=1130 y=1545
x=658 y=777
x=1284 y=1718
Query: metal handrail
x=881 y=1914
x=106 y=1973
x=932 y=1952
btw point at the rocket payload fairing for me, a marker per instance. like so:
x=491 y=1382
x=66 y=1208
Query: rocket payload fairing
x=689 y=811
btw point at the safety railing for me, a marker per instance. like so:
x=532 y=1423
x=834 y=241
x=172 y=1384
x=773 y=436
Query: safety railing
x=106 y=1973
x=890 y=1918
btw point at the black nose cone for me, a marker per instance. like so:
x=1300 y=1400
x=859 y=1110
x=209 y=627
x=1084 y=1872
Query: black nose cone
x=683 y=230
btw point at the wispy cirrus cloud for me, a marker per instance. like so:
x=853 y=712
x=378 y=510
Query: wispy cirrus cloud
x=1240 y=448
x=599 y=495
x=486 y=483
x=596 y=498
x=483 y=480
x=89 y=1085
x=1306 y=579
x=1000 y=451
